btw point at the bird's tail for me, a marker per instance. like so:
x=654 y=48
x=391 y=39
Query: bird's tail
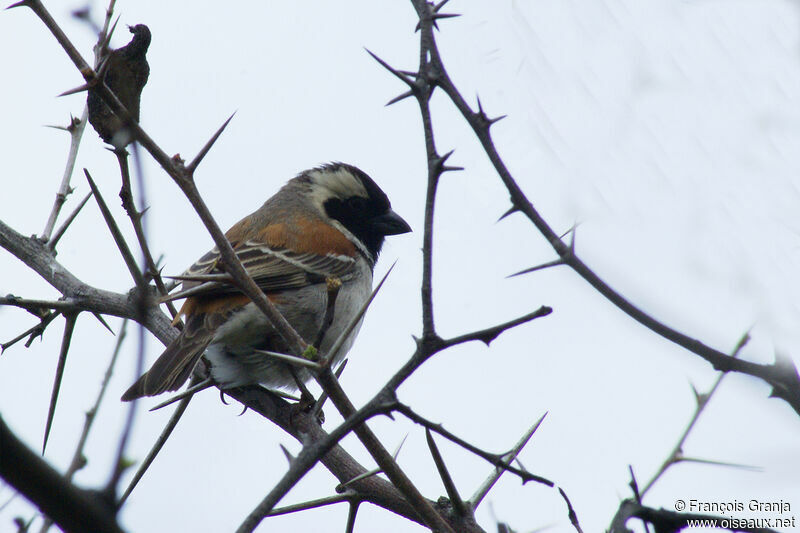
x=173 y=367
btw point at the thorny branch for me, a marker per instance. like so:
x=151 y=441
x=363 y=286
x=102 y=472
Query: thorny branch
x=784 y=379
x=317 y=444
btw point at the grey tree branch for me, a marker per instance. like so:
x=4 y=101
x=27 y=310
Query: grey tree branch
x=75 y=130
x=73 y=508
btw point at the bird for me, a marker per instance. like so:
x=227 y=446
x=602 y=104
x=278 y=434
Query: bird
x=125 y=73
x=328 y=222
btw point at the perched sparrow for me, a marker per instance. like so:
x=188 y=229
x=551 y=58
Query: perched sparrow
x=126 y=72
x=326 y=222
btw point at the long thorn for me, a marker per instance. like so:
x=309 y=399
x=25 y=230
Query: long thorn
x=102 y=320
x=60 y=232
x=391 y=69
x=557 y=262
x=69 y=327
x=489 y=482
x=187 y=393
x=292 y=360
x=151 y=455
x=127 y=256
x=204 y=150
x=447 y=479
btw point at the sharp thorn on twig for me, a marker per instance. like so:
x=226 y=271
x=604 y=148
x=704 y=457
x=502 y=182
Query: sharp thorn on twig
x=555 y=262
x=290 y=359
x=343 y=486
x=102 y=320
x=107 y=39
x=434 y=18
x=398 y=74
x=507 y=459
x=76 y=90
x=439 y=163
x=63 y=229
x=19 y=4
x=713 y=462
x=399 y=98
x=204 y=150
x=444 y=474
x=440 y=5
x=191 y=391
x=151 y=455
x=69 y=327
x=508 y=213
x=287 y=454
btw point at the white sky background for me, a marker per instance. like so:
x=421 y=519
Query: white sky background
x=669 y=130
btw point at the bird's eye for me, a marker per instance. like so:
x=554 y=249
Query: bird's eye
x=357 y=203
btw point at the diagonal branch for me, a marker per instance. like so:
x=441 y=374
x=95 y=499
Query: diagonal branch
x=75 y=130
x=492 y=458
x=78 y=459
x=784 y=379
x=702 y=401
x=489 y=334
x=73 y=508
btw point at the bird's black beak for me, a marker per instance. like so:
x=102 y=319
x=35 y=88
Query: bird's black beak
x=390 y=224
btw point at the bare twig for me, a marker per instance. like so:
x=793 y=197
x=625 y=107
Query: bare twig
x=493 y=458
x=676 y=455
x=75 y=130
x=121 y=464
x=39 y=308
x=669 y=521
x=432 y=519
x=489 y=334
x=78 y=459
x=32 y=332
x=162 y=439
x=784 y=379
x=72 y=508
x=126 y=195
x=573 y=518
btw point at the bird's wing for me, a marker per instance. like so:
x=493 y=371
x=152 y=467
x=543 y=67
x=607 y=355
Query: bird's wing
x=273 y=268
